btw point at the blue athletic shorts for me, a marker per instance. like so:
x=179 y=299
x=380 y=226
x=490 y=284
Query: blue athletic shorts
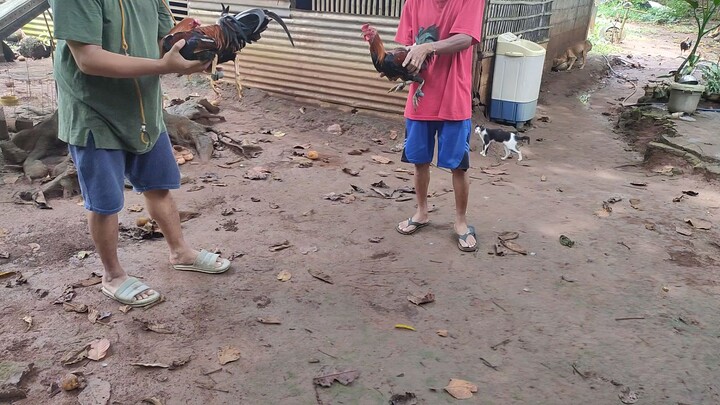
x=453 y=143
x=102 y=172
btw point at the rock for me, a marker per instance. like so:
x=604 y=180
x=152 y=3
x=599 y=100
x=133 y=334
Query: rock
x=335 y=129
x=30 y=47
x=35 y=169
x=11 y=375
x=97 y=392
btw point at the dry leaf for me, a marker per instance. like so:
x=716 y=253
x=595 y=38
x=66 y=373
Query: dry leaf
x=508 y=236
x=678 y=199
x=513 y=246
x=320 y=275
x=125 y=309
x=284 y=275
x=152 y=401
x=421 y=299
x=442 y=333
x=699 y=223
x=638 y=184
x=403 y=326
x=269 y=321
x=376 y=239
x=79 y=308
x=83 y=254
x=94 y=279
x=650 y=227
x=351 y=172
x=188 y=215
x=543 y=178
x=691 y=193
x=393 y=134
x=154 y=327
x=172 y=366
x=494 y=172
x=7 y=273
x=280 y=246
x=98 y=349
x=228 y=354
x=381 y=159
x=136 y=208
x=93 y=315
x=75 y=356
x=257 y=173
x=461 y=389
x=635 y=203
x=683 y=231
x=28 y=319
x=278 y=134
x=328 y=375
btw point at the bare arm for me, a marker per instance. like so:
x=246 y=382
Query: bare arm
x=94 y=60
x=418 y=53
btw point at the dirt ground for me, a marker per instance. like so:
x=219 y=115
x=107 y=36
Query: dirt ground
x=632 y=305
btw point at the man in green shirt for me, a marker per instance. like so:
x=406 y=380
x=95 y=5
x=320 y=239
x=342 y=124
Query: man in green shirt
x=108 y=69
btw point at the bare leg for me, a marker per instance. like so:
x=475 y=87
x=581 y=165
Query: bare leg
x=162 y=208
x=237 y=75
x=214 y=75
x=104 y=232
x=461 y=184
x=422 y=182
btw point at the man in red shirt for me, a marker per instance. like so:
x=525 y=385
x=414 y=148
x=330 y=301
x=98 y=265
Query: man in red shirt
x=446 y=109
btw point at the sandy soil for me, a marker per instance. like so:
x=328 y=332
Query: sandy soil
x=543 y=328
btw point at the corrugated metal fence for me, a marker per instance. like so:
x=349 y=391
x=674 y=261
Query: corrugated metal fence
x=386 y=8
x=330 y=61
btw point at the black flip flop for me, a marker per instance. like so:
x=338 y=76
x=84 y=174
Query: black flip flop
x=417 y=226
x=470 y=232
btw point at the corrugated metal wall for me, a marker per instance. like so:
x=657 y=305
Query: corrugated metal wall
x=330 y=61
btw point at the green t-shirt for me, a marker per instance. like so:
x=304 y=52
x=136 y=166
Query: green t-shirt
x=110 y=108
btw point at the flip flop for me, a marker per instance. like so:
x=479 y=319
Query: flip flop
x=205 y=262
x=417 y=226
x=463 y=237
x=128 y=290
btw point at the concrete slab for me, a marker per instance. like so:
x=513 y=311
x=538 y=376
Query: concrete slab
x=701 y=138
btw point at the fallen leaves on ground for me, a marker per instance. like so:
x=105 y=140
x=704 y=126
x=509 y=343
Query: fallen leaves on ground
x=136 y=208
x=67 y=295
x=75 y=355
x=151 y=401
x=513 y=246
x=358 y=152
x=442 y=333
x=284 y=275
x=343 y=198
x=29 y=321
x=328 y=375
x=320 y=275
x=627 y=396
x=98 y=349
x=228 y=354
x=494 y=172
x=381 y=159
x=350 y=171
x=635 y=203
x=683 y=231
x=83 y=254
x=376 y=239
x=419 y=299
x=280 y=246
x=269 y=321
x=699 y=223
x=393 y=134
x=508 y=235
x=407 y=398
x=639 y=184
x=461 y=389
x=678 y=198
x=94 y=279
x=257 y=173
x=79 y=308
x=691 y=193
x=154 y=326
x=7 y=273
x=403 y=326
x=379 y=184
x=172 y=366
x=188 y=215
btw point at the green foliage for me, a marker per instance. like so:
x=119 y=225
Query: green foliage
x=675 y=11
x=711 y=75
x=704 y=13
x=600 y=45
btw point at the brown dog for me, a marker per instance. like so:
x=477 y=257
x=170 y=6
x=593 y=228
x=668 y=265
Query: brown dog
x=567 y=60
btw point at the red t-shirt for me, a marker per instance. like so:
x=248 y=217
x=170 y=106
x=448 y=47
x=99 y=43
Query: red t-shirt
x=448 y=78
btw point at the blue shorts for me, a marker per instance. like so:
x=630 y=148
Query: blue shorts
x=453 y=143
x=102 y=172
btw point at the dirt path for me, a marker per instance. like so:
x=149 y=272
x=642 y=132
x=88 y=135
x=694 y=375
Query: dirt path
x=539 y=328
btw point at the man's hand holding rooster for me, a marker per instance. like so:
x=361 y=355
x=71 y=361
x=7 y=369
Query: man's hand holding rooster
x=417 y=54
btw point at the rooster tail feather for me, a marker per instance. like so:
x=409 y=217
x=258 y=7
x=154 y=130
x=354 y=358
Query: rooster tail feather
x=427 y=35
x=282 y=24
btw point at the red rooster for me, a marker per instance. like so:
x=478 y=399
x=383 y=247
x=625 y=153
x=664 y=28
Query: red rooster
x=685 y=45
x=222 y=42
x=390 y=63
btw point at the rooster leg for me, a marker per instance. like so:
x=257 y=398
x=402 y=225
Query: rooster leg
x=214 y=76
x=237 y=74
x=399 y=86
x=418 y=94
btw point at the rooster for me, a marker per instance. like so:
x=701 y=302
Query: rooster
x=222 y=42
x=685 y=45
x=390 y=63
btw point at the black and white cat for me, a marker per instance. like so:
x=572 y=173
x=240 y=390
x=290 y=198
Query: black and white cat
x=509 y=140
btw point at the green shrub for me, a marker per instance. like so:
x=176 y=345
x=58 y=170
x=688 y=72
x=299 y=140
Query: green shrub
x=711 y=75
x=676 y=10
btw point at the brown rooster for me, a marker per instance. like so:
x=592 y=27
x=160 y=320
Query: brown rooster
x=390 y=63
x=222 y=42
x=685 y=45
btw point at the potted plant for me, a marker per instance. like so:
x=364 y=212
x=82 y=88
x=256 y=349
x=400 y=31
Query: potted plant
x=711 y=76
x=684 y=92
